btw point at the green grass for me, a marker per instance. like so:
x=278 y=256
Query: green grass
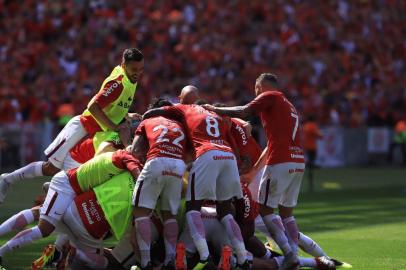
x=357 y=215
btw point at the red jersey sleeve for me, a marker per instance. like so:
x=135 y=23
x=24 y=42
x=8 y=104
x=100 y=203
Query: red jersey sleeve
x=140 y=129
x=124 y=160
x=261 y=102
x=110 y=92
x=175 y=112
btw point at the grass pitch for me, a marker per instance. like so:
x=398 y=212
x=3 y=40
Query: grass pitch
x=357 y=215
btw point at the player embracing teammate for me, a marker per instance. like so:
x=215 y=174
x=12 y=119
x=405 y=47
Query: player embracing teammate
x=284 y=159
x=213 y=176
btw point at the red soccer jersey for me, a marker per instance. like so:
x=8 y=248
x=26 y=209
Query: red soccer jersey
x=166 y=137
x=206 y=130
x=281 y=124
x=110 y=92
x=83 y=150
x=247 y=146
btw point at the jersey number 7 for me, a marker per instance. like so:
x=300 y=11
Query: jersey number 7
x=296 y=117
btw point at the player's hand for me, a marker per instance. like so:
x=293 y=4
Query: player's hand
x=133 y=117
x=135 y=173
x=209 y=107
x=124 y=133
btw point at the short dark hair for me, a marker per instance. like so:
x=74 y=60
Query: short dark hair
x=159 y=102
x=132 y=54
x=268 y=78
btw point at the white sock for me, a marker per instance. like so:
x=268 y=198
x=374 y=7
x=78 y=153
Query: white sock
x=17 y=222
x=32 y=170
x=196 y=229
x=170 y=239
x=292 y=232
x=275 y=227
x=307 y=262
x=234 y=233
x=93 y=260
x=309 y=246
x=143 y=233
x=21 y=239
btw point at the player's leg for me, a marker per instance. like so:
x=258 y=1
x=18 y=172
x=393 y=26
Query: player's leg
x=56 y=152
x=227 y=187
x=146 y=194
x=201 y=185
x=271 y=180
x=291 y=173
x=18 y=221
x=58 y=199
x=170 y=202
x=309 y=246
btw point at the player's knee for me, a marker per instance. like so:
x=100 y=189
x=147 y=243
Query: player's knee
x=45 y=227
x=223 y=208
x=35 y=213
x=141 y=212
x=49 y=169
x=166 y=215
x=193 y=206
x=285 y=212
x=265 y=210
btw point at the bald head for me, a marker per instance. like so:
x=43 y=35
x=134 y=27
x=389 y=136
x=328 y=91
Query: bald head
x=189 y=95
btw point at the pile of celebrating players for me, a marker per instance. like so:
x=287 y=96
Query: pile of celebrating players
x=181 y=186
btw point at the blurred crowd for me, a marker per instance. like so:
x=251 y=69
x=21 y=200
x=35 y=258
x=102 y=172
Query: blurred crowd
x=341 y=60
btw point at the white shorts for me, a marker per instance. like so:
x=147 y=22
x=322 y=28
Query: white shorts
x=214 y=176
x=123 y=252
x=280 y=184
x=160 y=177
x=77 y=233
x=216 y=234
x=69 y=136
x=60 y=195
x=69 y=163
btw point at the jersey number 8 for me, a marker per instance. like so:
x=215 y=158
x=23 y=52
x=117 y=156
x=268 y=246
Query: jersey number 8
x=212 y=127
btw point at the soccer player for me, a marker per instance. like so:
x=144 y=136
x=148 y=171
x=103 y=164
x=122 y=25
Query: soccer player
x=92 y=216
x=280 y=183
x=246 y=211
x=161 y=178
x=104 y=112
x=189 y=95
x=213 y=176
x=66 y=185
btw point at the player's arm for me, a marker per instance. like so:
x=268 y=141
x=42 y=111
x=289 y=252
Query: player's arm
x=125 y=160
x=101 y=117
x=139 y=147
x=110 y=92
x=155 y=112
x=237 y=111
x=248 y=177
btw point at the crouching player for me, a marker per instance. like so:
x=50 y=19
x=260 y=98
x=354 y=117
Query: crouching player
x=161 y=178
x=65 y=186
x=91 y=217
